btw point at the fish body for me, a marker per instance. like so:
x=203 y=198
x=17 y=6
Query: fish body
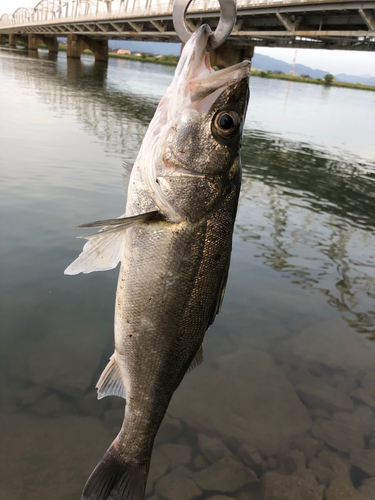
x=174 y=244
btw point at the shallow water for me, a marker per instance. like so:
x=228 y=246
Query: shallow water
x=284 y=402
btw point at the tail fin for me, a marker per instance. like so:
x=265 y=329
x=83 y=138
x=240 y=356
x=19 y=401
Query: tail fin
x=115 y=477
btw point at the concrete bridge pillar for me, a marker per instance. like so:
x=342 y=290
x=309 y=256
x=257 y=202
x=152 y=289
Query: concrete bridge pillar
x=22 y=38
x=3 y=39
x=12 y=40
x=76 y=44
x=36 y=40
x=228 y=54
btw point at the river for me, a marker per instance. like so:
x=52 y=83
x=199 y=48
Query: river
x=283 y=404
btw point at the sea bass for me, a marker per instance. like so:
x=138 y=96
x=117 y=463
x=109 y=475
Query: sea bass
x=174 y=243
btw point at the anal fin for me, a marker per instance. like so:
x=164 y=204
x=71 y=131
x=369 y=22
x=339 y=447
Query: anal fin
x=197 y=360
x=110 y=382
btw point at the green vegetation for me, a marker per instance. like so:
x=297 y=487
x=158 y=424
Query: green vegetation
x=316 y=81
x=329 y=79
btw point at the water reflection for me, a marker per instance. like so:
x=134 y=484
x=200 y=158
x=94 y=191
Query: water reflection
x=313 y=201
x=322 y=218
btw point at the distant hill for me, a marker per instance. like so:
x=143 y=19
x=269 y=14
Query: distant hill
x=259 y=61
x=365 y=79
x=265 y=63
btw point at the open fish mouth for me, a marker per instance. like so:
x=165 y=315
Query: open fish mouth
x=210 y=83
x=195 y=79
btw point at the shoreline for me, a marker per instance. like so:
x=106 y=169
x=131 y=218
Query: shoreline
x=314 y=81
x=172 y=60
x=255 y=73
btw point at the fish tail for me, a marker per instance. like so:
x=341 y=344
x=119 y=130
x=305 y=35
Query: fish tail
x=117 y=477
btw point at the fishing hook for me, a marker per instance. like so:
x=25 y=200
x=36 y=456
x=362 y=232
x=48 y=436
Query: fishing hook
x=228 y=13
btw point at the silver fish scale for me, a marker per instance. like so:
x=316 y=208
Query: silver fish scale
x=168 y=289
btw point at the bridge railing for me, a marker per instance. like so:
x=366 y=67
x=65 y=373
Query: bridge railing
x=58 y=11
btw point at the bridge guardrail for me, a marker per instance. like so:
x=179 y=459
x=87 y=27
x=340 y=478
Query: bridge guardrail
x=55 y=12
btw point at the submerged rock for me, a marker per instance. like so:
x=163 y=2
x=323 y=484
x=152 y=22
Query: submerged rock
x=324 y=396
x=319 y=413
x=178 y=485
x=47 y=405
x=368 y=382
x=334 y=346
x=364 y=459
x=91 y=405
x=340 y=435
x=367 y=488
x=291 y=461
x=328 y=466
x=49 y=458
x=251 y=457
x=251 y=492
x=249 y=399
x=227 y=475
x=291 y=487
x=341 y=489
x=64 y=362
x=177 y=454
x=362 y=419
x=27 y=395
x=169 y=431
x=200 y=462
x=308 y=445
x=251 y=329
x=212 y=448
x=158 y=468
x=220 y=497
x=364 y=396
x=114 y=418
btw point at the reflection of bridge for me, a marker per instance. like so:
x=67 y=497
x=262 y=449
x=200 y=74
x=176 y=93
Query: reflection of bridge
x=336 y=24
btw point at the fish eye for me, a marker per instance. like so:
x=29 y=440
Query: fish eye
x=226 y=125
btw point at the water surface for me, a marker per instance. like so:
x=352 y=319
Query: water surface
x=284 y=401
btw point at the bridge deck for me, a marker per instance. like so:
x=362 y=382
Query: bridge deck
x=335 y=24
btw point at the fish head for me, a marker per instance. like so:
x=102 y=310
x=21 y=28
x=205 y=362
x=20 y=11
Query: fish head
x=198 y=132
x=207 y=135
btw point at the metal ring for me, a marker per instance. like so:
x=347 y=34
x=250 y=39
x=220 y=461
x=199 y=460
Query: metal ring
x=228 y=13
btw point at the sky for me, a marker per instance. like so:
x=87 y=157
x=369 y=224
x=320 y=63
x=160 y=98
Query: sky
x=333 y=61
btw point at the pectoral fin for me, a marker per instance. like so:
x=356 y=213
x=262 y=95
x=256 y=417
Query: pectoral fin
x=122 y=222
x=105 y=249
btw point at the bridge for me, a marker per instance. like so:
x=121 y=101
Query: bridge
x=320 y=24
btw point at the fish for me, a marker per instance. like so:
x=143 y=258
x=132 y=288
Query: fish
x=174 y=243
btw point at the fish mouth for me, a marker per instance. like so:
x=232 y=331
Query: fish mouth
x=195 y=72
x=206 y=84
